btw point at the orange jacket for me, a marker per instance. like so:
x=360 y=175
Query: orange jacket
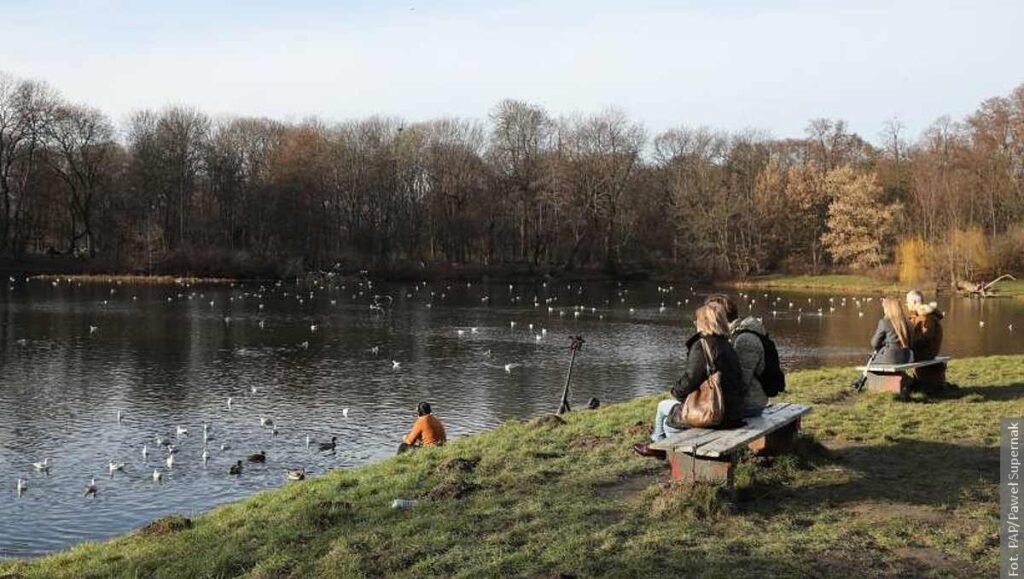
x=428 y=429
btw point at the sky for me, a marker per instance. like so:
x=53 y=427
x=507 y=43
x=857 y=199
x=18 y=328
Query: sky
x=727 y=64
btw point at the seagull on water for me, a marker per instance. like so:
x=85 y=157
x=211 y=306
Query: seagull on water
x=90 y=489
x=395 y=364
x=43 y=466
x=157 y=475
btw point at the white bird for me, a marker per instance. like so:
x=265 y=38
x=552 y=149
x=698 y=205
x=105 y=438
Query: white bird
x=312 y=327
x=460 y=332
x=1010 y=327
x=473 y=330
x=170 y=461
x=261 y=324
x=252 y=390
x=157 y=475
x=114 y=466
x=90 y=489
x=119 y=416
x=159 y=441
x=21 y=486
x=308 y=440
x=206 y=455
x=93 y=329
x=264 y=421
x=395 y=364
x=145 y=452
x=508 y=367
x=229 y=403
x=42 y=466
x=344 y=412
x=304 y=345
x=224 y=446
x=981 y=324
x=181 y=431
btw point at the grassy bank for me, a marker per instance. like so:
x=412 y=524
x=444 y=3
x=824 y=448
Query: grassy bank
x=836 y=282
x=878 y=488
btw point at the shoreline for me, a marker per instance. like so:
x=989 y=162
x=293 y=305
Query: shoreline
x=544 y=496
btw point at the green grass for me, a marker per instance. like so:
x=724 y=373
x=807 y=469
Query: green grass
x=878 y=488
x=1010 y=288
x=835 y=282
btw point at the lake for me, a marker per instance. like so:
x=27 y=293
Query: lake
x=74 y=356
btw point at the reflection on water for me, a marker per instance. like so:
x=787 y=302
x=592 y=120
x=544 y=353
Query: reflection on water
x=73 y=356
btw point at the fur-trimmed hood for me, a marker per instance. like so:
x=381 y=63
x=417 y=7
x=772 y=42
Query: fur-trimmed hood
x=929 y=309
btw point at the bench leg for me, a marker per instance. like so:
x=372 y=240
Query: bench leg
x=777 y=442
x=691 y=469
x=896 y=383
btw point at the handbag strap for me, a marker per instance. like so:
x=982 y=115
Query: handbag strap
x=709 y=361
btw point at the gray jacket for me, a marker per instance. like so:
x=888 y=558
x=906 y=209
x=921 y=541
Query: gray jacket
x=751 y=354
x=887 y=343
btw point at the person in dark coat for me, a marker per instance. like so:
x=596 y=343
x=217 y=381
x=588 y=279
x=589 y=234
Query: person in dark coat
x=712 y=329
x=926 y=326
x=893 y=335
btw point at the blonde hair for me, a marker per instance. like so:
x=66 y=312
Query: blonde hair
x=710 y=320
x=894 y=313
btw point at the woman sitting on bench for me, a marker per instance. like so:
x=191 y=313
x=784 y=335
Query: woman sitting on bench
x=926 y=326
x=712 y=328
x=892 y=339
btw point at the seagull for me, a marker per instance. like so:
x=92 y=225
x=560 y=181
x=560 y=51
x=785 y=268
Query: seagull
x=229 y=403
x=395 y=364
x=170 y=461
x=312 y=327
x=119 y=415
x=508 y=367
x=236 y=468
x=90 y=489
x=375 y=350
x=206 y=455
x=145 y=452
x=43 y=466
x=981 y=324
x=252 y=390
x=181 y=431
x=21 y=486
x=93 y=329
x=261 y=324
x=114 y=466
x=308 y=440
x=224 y=446
x=157 y=475
x=473 y=330
x=304 y=345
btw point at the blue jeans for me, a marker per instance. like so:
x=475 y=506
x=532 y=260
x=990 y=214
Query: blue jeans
x=662 y=430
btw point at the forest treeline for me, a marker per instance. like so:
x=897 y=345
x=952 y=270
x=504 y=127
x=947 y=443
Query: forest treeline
x=176 y=190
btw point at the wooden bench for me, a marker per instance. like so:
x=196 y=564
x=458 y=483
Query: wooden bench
x=894 y=378
x=698 y=454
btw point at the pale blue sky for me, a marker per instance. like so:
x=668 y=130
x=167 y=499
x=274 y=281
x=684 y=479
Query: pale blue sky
x=728 y=64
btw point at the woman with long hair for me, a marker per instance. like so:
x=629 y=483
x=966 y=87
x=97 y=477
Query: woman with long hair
x=894 y=336
x=712 y=329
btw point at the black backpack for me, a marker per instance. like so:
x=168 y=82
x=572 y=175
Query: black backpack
x=773 y=380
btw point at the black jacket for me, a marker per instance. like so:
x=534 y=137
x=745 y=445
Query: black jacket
x=725 y=361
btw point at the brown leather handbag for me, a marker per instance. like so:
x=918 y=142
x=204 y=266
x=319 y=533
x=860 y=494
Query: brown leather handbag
x=705 y=406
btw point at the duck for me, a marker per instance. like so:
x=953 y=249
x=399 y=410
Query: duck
x=90 y=489
x=260 y=456
x=296 y=475
x=42 y=466
x=332 y=445
x=236 y=468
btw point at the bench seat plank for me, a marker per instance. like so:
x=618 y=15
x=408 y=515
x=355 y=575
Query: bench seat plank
x=902 y=367
x=756 y=428
x=715 y=443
